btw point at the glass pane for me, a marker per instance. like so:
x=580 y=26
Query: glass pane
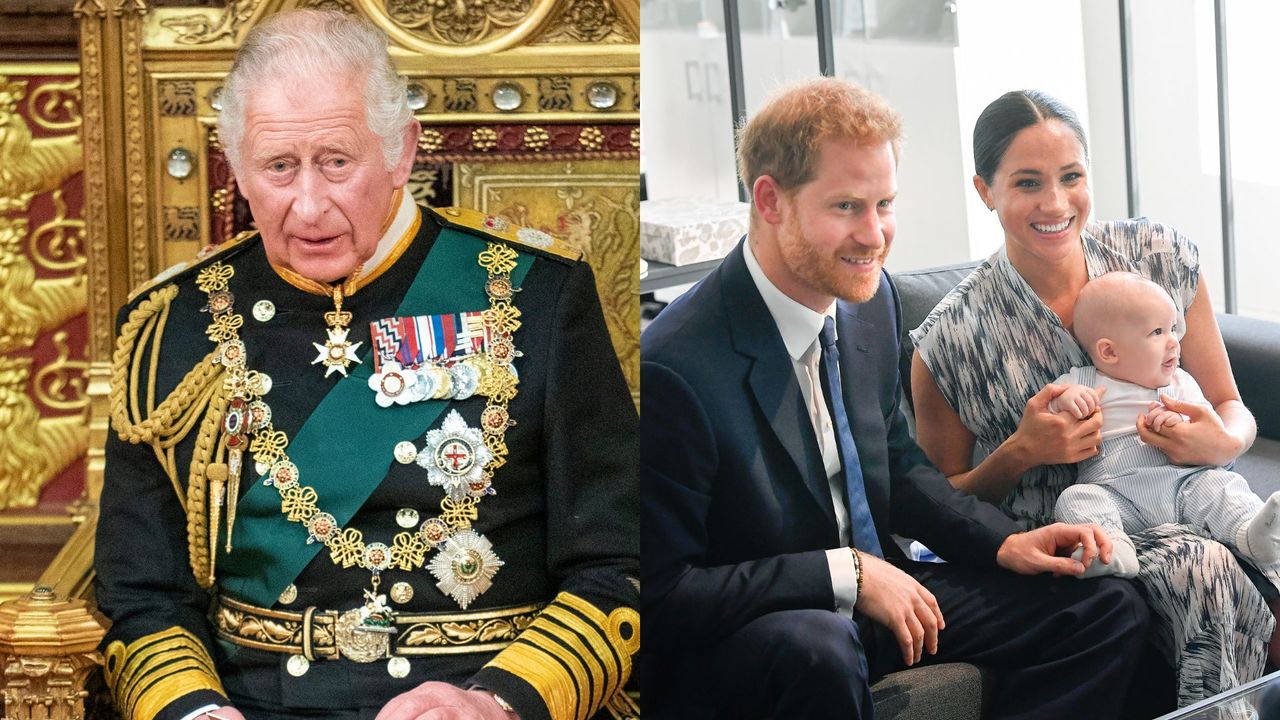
x=1177 y=142
x=779 y=45
x=686 y=124
x=1258 y=700
x=1252 y=57
x=931 y=21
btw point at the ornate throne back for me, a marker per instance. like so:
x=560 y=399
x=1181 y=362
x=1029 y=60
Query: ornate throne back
x=529 y=108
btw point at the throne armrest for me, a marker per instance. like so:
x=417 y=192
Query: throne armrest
x=49 y=637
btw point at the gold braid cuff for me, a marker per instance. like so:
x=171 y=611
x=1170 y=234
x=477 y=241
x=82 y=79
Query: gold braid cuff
x=157 y=669
x=575 y=657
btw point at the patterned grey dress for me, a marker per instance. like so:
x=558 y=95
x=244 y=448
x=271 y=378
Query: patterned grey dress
x=992 y=343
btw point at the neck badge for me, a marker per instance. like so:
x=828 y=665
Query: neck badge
x=337 y=353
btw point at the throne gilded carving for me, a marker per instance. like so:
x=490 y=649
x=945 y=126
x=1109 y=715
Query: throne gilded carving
x=529 y=108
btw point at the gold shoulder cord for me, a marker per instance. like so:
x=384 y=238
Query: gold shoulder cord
x=163 y=427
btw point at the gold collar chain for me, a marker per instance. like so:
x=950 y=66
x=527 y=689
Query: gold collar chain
x=465 y=565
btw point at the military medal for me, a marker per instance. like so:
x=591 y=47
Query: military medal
x=465 y=566
x=442 y=357
x=455 y=456
x=393 y=384
x=364 y=634
x=337 y=353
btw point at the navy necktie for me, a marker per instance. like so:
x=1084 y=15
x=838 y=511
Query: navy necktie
x=864 y=528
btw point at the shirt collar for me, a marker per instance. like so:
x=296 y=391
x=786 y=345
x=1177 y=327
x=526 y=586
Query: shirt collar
x=396 y=231
x=798 y=324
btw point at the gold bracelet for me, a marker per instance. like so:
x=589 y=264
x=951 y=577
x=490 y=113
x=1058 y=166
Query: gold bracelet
x=857 y=569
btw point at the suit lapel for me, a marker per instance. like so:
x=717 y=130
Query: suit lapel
x=772 y=378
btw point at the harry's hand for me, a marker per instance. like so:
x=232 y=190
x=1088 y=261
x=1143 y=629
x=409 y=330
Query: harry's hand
x=895 y=600
x=1202 y=440
x=442 y=701
x=1037 y=551
x=226 y=712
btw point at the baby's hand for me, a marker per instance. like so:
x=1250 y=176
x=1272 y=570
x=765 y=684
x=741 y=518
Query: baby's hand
x=1159 y=416
x=1080 y=401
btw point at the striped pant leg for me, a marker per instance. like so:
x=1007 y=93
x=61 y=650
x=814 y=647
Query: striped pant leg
x=1090 y=503
x=1218 y=502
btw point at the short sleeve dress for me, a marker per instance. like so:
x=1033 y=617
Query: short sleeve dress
x=992 y=343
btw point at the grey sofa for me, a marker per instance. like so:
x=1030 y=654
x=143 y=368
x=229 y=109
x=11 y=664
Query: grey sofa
x=959 y=691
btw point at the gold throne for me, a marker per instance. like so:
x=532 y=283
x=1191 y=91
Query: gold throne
x=529 y=108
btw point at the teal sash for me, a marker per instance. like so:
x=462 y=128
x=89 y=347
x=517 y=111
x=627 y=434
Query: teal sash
x=344 y=449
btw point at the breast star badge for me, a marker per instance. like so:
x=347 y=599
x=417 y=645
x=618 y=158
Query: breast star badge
x=465 y=566
x=337 y=354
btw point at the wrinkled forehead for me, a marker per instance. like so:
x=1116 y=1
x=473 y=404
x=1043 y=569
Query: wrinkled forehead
x=315 y=110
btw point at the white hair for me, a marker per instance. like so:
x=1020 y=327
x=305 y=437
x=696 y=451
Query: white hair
x=317 y=44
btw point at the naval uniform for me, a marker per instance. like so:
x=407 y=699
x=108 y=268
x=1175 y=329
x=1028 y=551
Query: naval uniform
x=194 y=625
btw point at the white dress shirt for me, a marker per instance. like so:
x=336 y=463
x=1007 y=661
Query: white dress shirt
x=800 y=327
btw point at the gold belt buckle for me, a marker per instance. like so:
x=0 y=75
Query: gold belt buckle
x=358 y=644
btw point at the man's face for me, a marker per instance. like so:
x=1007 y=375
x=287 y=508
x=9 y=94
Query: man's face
x=837 y=228
x=314 y=176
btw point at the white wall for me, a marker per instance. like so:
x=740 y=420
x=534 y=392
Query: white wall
x=1101 y=43
x=1011 y=45
x=1174 y=95
x=686 y=138
x=919 y=81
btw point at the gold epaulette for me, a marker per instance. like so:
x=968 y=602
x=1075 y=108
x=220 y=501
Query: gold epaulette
x=526 y=238
x=575 y=656
x=157 y=669
x=208 y=251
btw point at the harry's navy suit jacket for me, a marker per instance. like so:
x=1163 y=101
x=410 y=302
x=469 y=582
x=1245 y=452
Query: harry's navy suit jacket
x=737 y=511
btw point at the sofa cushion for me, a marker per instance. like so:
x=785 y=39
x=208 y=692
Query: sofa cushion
x=1261 y=466
x=1254 y=348
x=950 y=691
x=918 y=292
